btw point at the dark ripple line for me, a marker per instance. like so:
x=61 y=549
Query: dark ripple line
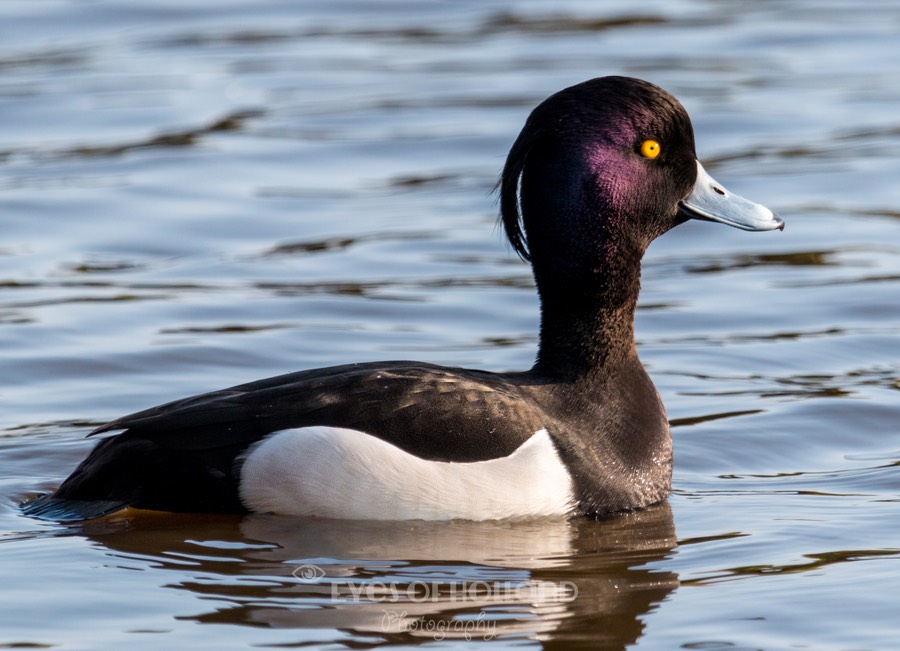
x=184 y=138
x=817 y=561
x=500 y=22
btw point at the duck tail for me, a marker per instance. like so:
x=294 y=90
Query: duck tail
x=60 y=509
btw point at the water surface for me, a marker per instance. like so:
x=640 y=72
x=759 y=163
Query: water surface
x=194 y=196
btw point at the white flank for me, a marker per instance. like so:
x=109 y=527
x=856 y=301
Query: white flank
x=331 y=472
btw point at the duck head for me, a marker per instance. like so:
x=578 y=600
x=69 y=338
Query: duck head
x=599 y=171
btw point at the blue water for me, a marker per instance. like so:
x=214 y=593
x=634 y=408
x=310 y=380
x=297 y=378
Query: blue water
x=194 y=195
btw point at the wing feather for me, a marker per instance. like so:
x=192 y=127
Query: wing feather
x=184 y=455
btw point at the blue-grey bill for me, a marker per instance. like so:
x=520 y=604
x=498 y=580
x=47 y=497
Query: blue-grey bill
x=710 y=201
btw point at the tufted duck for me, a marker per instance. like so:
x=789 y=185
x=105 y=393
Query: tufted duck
x=599 y=170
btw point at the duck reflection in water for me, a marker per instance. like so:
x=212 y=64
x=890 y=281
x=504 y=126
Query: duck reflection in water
x=560 y=581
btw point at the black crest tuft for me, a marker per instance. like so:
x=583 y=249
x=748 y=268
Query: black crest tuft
x=510 y=209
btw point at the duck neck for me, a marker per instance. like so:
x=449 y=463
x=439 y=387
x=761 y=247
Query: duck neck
x=587 y=323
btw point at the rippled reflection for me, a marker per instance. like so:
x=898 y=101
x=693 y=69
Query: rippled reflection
x=555 y=580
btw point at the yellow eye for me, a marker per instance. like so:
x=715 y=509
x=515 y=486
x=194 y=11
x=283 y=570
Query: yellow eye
x=650 y=149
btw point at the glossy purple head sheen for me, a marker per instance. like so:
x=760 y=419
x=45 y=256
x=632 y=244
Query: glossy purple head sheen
x=578 y=198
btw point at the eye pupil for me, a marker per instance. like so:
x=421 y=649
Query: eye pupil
x=650 y=149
